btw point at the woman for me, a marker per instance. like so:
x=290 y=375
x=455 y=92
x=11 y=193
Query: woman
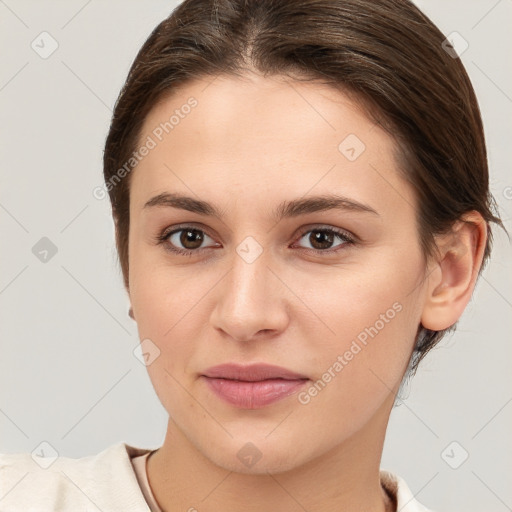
x=297 y=225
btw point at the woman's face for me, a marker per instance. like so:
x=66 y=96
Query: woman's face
x=263 y=281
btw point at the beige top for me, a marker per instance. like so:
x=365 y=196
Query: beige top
x=111 y=481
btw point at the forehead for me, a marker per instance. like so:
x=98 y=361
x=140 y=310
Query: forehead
x=258 y=135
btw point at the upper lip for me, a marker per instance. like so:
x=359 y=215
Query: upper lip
x=252 y=372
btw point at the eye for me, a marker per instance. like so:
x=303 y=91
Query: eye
x=322 y=238
x=184 y=240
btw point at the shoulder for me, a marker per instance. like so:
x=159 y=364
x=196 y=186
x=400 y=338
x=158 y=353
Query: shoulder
x=405 y=500
x=29 y=482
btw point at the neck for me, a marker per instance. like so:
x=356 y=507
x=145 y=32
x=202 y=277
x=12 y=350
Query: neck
x=347 y=478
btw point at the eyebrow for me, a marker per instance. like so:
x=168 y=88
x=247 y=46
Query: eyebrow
x=286 y=209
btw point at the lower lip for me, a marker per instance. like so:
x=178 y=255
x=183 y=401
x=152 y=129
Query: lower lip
x=253 y=395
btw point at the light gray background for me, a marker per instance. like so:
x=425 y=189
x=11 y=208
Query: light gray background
x=68 y=374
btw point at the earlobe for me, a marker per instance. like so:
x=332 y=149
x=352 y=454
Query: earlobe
x=452 y=278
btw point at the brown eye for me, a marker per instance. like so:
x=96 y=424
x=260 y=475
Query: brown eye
x=322 y=239
x=187 y=238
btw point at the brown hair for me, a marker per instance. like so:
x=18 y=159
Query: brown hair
x=387 y=54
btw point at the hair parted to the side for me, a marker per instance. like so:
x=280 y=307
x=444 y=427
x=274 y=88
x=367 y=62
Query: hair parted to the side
x=386 y=54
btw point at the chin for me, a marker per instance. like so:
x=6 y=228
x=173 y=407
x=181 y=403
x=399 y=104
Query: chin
x=256 y=458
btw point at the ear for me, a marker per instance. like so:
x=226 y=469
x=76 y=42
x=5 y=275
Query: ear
x=452 y=277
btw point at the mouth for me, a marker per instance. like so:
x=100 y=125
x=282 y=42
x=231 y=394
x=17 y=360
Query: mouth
x=254 y=386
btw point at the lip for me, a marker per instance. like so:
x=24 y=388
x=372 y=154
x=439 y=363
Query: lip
x=252 y=372
x=253 y=386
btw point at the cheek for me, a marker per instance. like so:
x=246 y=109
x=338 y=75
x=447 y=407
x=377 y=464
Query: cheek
x=160 y=295
x=169 y=305
x=369 y=309
x=359 y=369
x=372 y=318
x=165 y=297
x=164 y=305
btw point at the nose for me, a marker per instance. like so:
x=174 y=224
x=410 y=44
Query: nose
x=251 y=300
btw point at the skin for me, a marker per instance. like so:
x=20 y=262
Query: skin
x=249 y=144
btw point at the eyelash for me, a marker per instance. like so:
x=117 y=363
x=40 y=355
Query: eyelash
x=163 y=239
